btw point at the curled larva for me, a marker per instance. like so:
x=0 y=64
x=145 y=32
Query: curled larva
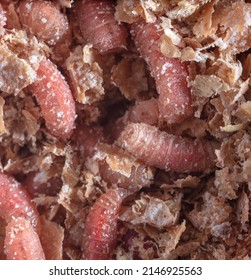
x=166 y=151
x=55 y=99
x=170 y=74
x=116 y=167
x=120 y=169
x=100 y=231
x=43 y=19
x=99 y=26
x=15 y=202
x=21 y=241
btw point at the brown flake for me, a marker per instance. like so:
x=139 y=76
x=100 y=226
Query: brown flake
x=85 y=74
x=130 y=77
x=52 y=236
x=16 y=73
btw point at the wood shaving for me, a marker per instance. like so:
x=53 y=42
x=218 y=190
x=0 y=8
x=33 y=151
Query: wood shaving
x=16 y=73
x=2 y=125
x=86 y=76
x=52 y=240
x=130 y=77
